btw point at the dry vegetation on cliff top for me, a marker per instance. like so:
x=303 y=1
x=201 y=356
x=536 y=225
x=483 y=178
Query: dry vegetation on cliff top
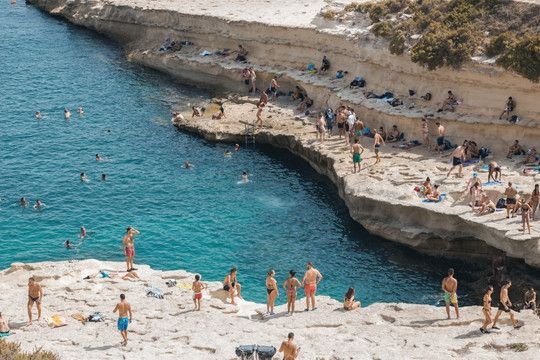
x=440 y=33
x=12 y=351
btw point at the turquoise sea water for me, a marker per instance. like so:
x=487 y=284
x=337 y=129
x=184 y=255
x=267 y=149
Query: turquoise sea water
x=201 y=220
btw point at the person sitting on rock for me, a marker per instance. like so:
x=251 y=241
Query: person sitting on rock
x=383 y=133
x=241 y=54
x=305 y=104
x=487 y=206
x=348 y=302
x=434 y=196
x=325 y=66
x=472 y=151
x=426 y=187
x=299 y=93
x=197 y=111
x=4 y=327
x=515 y=149
x=529 y=299
x=531 y=156
x=450 y=103
x=219 y=115
x=508 y=109
x=394 y=135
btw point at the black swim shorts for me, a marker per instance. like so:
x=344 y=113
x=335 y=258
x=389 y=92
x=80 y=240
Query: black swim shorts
x=456 y=161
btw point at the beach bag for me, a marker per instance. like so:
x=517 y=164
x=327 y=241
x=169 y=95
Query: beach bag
x=245 y=351
x=265 y=352
x=154 y=292
x=483 y=152
x=358 y=81
x=514 y=119
x=426 y=97
x=246 y=81
x=95 y=317
x=56 y=320
x=501 y=204
x=395 y=102
x=310 y=67
x=170 y=283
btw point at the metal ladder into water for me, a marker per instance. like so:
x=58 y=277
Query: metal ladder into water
x=249 y=132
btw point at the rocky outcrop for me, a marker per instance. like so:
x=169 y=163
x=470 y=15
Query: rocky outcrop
x=169 y=329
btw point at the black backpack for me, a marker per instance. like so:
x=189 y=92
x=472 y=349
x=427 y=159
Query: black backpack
x=501 y=204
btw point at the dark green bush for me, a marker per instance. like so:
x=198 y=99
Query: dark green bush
x=397 y=43
x=382 y=29
x=523 y=57
x=445 y=47
x=500 y=44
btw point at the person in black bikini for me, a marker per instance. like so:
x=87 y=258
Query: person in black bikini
x=35 y=294
x=231 y=285
x=272 y=292
x=525 y=214
x=486 y=310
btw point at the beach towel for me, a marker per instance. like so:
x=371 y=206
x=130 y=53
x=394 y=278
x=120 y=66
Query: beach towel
x=205 y=53
x=471 y=162
x=492 y=183
x=154 y=292
x=184 y=286
x=95 y=317
x=79 y=317
x=483 y=168
x=56 y=320
x=4 y=334
x=408 y=145
x=441 y=198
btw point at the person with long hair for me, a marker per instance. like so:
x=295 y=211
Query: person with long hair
x=525 y=214
x=535 y=200
x=348 y=302
x=291 y=285
x=272 y=292
x=486 y=310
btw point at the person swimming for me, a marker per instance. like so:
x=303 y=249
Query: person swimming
x=236 y=147
x=245 y=177
x=84 y=178
x=227 y=153
x=38 y=205
x=38 y=115
x=98 y=158
x=80 y=110
x=67 y=244
x=103 y=177
x=23 y=202
x=187 y=165
x=83 y=233
x=67 y=113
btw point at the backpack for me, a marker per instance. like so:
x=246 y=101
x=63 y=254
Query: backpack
x=358 y=81
x=483 y=152
x=95 y=317
x=426 y=97
x=514 y=119
x=501 y=203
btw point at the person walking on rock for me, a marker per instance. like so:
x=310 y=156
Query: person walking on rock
x=289 y=349
x=449 y=286
x=505 y=305
x=124 y=310
x=377 y=142
x=311 y=279
x=486 y=310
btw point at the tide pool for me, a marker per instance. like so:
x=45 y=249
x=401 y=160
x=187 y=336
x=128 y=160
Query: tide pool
x=201 y=219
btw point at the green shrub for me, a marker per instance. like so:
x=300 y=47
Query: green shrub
x=354 y=6
x=12 y=351
x=500 y=44
x=376 y=12
x=397 y=43
x=461 y=14
x=329 y=14
x=445 y=47
x=518 y=347
x=382 y=29
x=523 y=57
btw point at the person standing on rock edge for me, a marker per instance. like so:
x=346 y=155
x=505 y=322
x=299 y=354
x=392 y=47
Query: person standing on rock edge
x=440 y=137
x=425 y=133
x=35 y=295
x=290 y=285
x=259 y=121
x=458 y=158
x=129 y=246
x=357 y=151
x=377 y=142
x=197 y=288
x=486 y=310
x=505 y=305
x=289 y=349
x=272 y=292
x=253 y=79
x=124 y=309
x=449 y=286
x=310 y=281
x=273 y=88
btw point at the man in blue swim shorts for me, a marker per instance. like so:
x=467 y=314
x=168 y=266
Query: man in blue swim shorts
x=124 y=309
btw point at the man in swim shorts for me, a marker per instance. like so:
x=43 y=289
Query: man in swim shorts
x=311 y=279
x=505 y=305
x=377 y=142
x=4 y=327
x=35 y=295
x=124 y=309
x=511 y=194
x=197 y=288
x=440 y=138
x=458 y=157
x=494 y=171
x=357 y=151
x=449 y=286
x=129 y=246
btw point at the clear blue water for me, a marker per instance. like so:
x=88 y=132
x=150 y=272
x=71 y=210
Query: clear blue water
x=199 y=219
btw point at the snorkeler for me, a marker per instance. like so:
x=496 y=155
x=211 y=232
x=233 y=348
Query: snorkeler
x=67 y=113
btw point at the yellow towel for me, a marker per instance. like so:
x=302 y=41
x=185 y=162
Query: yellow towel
x=184 y=286
x=56 y=320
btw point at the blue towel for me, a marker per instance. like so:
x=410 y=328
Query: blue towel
x=4 y=334
x=492 y=183
x=441 y=198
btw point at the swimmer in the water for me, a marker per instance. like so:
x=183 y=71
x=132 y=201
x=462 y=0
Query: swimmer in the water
x=67 y=113
x=227 y=153
x=103 y=177
x=245 y=177
x=38 y=205
x=23 y=202
x=38 y=115
x=236 y=147
x=67 y=244
x=84 y=178
x=83 y=234
x=98 y=158
x=80 y=110
x=187 y=165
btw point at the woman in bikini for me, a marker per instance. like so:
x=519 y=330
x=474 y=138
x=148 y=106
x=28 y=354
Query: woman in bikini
x=231 y=285
x=291 y=285
x=486 y=310
x=272 y=292
x=348 y=302
x=525 y=214
x=535 y=200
